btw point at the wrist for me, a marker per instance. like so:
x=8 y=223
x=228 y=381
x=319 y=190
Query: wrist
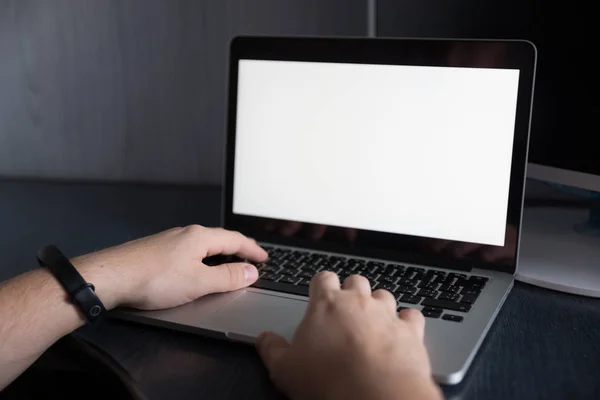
x=108 y=286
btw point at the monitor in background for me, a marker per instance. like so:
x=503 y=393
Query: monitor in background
x=560 y=247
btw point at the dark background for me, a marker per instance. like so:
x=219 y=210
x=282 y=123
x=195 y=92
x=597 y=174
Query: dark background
x=133 y=90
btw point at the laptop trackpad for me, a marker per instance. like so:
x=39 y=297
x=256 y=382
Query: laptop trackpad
x=251 y=313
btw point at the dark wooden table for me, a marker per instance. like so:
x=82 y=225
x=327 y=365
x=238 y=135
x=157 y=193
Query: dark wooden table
x=543 y=344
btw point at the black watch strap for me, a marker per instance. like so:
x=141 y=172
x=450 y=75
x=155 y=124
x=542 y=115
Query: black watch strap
x=82 y=293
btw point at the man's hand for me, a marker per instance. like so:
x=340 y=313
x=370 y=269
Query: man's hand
x=160 y=271
x=166 y=270
x=351 y=344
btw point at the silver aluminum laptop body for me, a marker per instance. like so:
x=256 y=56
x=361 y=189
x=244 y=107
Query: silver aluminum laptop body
x=242 y=315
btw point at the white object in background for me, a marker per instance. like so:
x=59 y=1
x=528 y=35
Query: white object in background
x=555 y=255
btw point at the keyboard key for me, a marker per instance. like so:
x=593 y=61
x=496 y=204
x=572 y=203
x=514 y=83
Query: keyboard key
x=270 y=277
x=359 y=268
x=289 y=279
x=406 y=282
x=310 y=267
x=427 y=293
x=476 y=288
x=407 y=298
x=468 y=299
x=370 y=276
x=415 y=270
x=447 y=305
x=470 y=292
x=288 y=271
x=438 y=277
x=387 y=279
x=306 y=274
x=271 y=269
x=396 y=266
x=375 y=264
x=449 y=279
x=478 y=279
x=418 y=276
x=390 y=287
x=317 y=257
x=304 y=282
x=344 y=266
x=435 y=272
x=471 y=284
x=400 y=290
x=427 y=285
x=278 y=256
x=390 y=271
x=274 y=263
x=454 y=318
x=281 y=287
x=449 y=288
x=432 y=312
x=445 y=281
x=448 y=296
x=461 y=282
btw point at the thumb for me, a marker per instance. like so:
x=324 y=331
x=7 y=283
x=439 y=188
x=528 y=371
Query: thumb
x=271 y=347
x=228 y=277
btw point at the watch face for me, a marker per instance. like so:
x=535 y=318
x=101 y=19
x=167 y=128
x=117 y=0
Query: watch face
x=95 y=311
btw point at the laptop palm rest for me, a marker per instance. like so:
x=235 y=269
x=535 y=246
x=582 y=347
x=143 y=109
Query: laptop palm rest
x=251 y=313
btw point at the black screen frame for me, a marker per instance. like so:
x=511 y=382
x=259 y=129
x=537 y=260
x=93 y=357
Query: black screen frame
x=521 y=55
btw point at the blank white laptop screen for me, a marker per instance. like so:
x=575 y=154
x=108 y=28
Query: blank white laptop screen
x=413 y=150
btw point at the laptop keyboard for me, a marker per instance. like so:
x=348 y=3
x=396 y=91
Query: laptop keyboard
x=439 y=292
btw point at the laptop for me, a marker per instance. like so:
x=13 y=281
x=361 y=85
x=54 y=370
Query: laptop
x=402 y=160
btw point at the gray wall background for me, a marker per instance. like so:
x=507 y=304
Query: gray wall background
x=133 y=90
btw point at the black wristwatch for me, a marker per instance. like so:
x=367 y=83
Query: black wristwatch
x=81 y=292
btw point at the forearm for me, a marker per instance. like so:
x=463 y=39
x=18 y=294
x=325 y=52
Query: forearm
x=35 y=312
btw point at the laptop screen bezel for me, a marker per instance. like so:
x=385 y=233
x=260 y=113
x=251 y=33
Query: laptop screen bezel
x=520 y=55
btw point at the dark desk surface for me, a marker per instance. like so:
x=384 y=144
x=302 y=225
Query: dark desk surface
x=543 y=344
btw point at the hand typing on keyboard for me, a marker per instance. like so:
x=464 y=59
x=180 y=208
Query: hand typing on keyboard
x=351 y=344
x=158 y=271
